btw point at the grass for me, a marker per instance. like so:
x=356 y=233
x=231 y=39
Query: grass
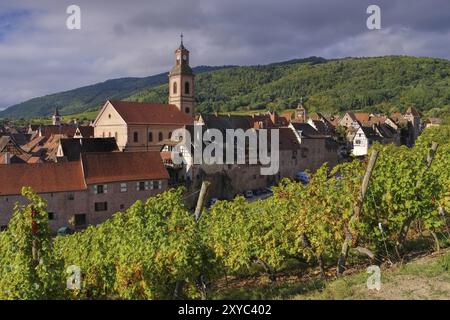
x=427 y=277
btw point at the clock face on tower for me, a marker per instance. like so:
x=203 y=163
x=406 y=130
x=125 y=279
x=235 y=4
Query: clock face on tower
x=184 y=57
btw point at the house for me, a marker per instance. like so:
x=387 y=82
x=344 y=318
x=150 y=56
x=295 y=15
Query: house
x=316 y=148
x=433 y=122
x=363 y=140
x=71 y=149
x=142 y=126
x=354 y=119
x=11 y=152
x=87 y=191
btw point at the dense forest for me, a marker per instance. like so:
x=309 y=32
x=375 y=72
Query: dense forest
x=373 y=84
x=381 y=84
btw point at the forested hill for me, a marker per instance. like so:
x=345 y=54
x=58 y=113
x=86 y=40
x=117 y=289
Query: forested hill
x=88 y=97
x=372 y=84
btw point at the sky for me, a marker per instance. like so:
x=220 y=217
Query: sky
x=135 y=38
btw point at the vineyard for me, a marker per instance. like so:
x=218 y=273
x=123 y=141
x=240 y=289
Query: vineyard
x=160 y=250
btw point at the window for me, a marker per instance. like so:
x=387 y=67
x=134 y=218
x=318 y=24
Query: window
x=100 y=188
x=357 y=141
x=101 y=206
x=160 y=136
x=304 y=152
x=187 y=110
x=51 y=216
x=135 y=137
x=141 y=186
x=174 y=88
x=150 y=136
x=123 y=187
x=79 y=220
x=157 y=184
x=109 y=134
x=109 y=116
x=103 y=134
x=170 y=135
x=186 y=87
x=71 y=196
x=122 y=206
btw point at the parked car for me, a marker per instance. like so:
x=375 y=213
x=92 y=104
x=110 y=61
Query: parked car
x=257 y=192
x=302 y=177
x=64 y=231
x=248 y=194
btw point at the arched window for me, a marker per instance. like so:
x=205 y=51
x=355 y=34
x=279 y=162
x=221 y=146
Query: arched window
x=186 y=88
x=150 y=137
x=135 y=137
x=160 y=136
x=174 y=88
x=170 y=135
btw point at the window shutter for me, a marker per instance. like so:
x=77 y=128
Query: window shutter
x=137 y=186
x=160 y=184
x=146 y=185
x=105 y=188
x=95 y=189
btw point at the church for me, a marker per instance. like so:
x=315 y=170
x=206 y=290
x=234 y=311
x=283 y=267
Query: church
x=142 y=126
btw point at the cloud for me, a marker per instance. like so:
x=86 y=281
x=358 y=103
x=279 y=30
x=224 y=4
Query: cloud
x=39 y=55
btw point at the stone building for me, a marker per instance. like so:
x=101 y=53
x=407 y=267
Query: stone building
x=139 y=126
x=84 y=192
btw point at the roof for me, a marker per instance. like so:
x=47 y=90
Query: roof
x=41 y=177
x=151 y=113
x=359 y=116
x=413 y=111
x=288 y=140
x=48 y=130
x=307 y=130
x=370 y=133
x=434 y=121
x=223 y=122
x=123 y=166
x=86 y=131
x=72 y=148
x=386 y=131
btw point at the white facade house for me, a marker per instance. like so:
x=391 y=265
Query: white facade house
x=363 y=140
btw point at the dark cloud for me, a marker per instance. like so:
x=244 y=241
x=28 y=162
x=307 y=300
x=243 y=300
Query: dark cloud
x=38 y=55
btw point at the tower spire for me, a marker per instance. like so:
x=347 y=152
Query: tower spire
x=181 y=43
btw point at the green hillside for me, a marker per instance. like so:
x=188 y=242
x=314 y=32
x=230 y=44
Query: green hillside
x=374 y=84
x=87 y=98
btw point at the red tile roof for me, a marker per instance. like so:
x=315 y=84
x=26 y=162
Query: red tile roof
x=47 y=131
x=151 y=113
x=123 y=166
x=42 y=177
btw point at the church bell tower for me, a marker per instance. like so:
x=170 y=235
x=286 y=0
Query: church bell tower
x=181 y=82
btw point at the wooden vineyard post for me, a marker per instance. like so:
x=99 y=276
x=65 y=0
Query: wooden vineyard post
x=356 y=213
